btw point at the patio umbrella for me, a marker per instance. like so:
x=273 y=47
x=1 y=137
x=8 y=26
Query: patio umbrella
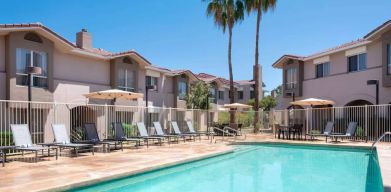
x=114 y=94
x=237 y=106
x=312 y=102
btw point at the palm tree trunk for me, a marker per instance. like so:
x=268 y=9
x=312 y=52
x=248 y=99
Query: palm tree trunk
x=256 y=70
x=231 y=78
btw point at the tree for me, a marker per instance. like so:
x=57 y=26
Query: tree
x=258 y=6
x=226 y=13
x=278 y=90
x=267 y=103
x=198 y=96
x=251 y=102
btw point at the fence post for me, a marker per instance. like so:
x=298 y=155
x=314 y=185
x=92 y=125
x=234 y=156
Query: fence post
x=106 y=120
x=366 y=122
x=169 y=122
x=54 y=112
x=308 y=119
x=272 y=118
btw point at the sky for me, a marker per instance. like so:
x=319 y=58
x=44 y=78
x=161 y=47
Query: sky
x=177 y=34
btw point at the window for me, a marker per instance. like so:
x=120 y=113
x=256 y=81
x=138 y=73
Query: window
x=252 y=94
x=28 y=58
x=151 y=81
x=212 y=94
x=291 y=78
x=357 y=62
x=322 y=70
x=240 y=94
x=126 y=79
x=389 y=59
x=221 y=95
x=182 y=90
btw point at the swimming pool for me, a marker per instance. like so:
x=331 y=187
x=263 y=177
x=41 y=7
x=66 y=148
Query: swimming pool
x=264 y=167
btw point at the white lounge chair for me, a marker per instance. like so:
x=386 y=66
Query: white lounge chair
x=22 y=139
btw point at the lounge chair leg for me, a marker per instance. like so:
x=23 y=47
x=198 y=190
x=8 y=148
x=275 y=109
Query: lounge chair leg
x=76 y=152
x=3 y=158
x=108 y=148
x=22 y=153
x=93 y=150
x=42 y=152
x=36 y=156
x=122 y=146
x=48 y=152
x=56 y=154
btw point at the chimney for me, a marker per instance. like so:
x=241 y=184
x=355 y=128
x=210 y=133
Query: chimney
x=83 y=39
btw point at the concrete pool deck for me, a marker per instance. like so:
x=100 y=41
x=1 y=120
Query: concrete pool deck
x=65 y=173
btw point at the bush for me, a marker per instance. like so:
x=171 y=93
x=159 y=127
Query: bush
x=129 y=129
x=5 y=137
x=223 y=118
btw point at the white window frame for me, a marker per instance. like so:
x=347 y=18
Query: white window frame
x=182 y=96
x=126 y=87
x=221 y=96
x=153 y=81
x=32 y=65
x=291 y=78
x=358 y=62
x=323 y=69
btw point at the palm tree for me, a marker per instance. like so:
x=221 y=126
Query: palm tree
x=226 y=13
x=259 y=6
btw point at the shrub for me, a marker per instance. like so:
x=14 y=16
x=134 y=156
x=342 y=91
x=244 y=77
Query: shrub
x=5 y=137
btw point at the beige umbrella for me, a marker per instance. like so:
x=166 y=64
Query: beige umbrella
x=237 y=106
x=313 y=102
x=114 y=94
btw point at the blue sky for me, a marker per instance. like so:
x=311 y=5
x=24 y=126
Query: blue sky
x=176 y=34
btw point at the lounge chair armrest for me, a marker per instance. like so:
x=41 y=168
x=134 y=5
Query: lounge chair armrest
x=48 y=144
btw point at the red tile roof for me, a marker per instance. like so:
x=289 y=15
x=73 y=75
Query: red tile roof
x=105 y=53
x=338 y=47
x=363 y=40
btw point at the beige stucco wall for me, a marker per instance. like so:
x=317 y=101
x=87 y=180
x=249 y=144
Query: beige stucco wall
x=2 y=69
x=164 y=96
x=81 y=69
x=75 y=76
x=341 y=86
x=14 y=41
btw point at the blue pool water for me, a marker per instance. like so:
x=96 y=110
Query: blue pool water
x=267 y=167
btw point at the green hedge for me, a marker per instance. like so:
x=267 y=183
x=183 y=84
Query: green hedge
x=6 y=138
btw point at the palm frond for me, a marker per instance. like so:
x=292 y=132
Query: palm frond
x=225 y=13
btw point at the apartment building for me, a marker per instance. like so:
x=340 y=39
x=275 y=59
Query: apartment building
x=341 y=73
x=70 y=70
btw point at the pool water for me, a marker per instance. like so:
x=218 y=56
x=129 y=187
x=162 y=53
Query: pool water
x=266 y=167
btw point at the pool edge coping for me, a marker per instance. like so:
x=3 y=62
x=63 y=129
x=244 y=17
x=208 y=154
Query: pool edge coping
x=385 y=168
x=135 y=172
